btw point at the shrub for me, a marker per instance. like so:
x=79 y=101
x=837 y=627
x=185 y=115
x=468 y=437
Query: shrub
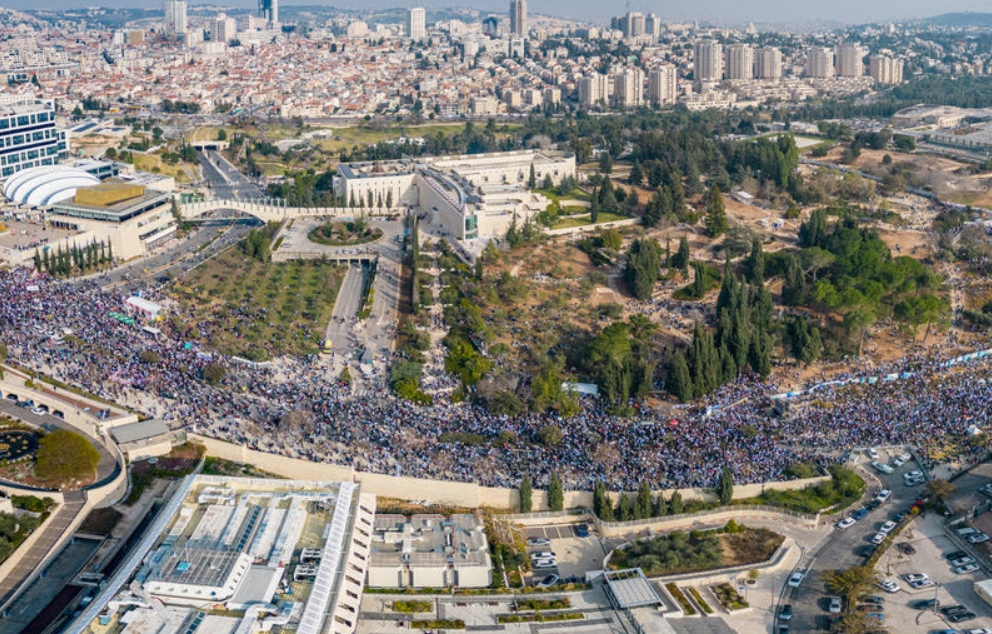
x=32 y=503
x=412 y=606
x=729 y=597
x=700 y=601
x=439 y=624
x=683 y=602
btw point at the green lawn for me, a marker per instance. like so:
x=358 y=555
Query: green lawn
x=259 y=310
x=581 y=221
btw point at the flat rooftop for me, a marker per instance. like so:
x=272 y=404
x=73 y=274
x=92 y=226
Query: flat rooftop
x=23 y=234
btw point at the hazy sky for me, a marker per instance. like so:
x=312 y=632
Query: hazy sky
x=723 y=11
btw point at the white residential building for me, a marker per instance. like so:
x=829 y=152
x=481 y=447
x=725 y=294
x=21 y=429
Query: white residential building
x=663 y=88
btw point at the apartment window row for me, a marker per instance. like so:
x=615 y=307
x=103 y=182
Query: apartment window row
x=20 y=121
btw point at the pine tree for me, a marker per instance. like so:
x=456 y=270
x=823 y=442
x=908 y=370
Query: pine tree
x=681 y=258
x=716 y=214
x=636 y=174
x=37 y=261
x=526 y=494
x=532 y=179
x=46 y=262
x=594 y=208
x=675 y=505
x=754 y=265
x=556 y=496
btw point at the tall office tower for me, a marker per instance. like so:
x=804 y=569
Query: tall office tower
x=740 y=61
x=628 y=88
x=663 y=87
x=885 y=70
x=768 y=63
x=30 y=135
x=518 y=17
x=224 y=29
x=175 y=17
x=416 y=23
x=708 y=65
x=849 y=58
x=820 y=63
x=593 y=90
x=632 y=24
x=652 y=24
x=269 y=9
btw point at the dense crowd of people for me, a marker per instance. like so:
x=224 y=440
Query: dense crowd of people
x=296 y=407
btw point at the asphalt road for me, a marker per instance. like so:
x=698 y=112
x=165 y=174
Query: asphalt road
x=844 y=548
x=224 y=179
x=342 y=325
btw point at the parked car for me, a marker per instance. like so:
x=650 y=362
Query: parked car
x=889 y=585
x=978 y=538
x=859 y=514
x=847 y=522
x=785 y=612
x=965 y=569
x=582 y=530
x=38 y=411
x=835 y=605
x=883 y=495
x=544 y=563
x=905 y=548
x=797 y=578
x=949 y=610
x=538 y=541
x=913 y=474
x=544 y=554
x=926 y=604
x=878 y=538
x=548 y=581
x=922 y=583
x=962 y=617
x=882 y=467
x=957 y=554
x=979 y=630
x=872 y=453
x=898 y=461
x=877 y=600
x=962 y=561
x=887 y=527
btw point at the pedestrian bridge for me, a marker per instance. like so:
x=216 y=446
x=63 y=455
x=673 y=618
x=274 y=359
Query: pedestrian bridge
x=274 y=210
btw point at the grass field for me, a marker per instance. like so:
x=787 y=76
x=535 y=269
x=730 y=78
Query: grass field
x=346 y=138
x=259 y=310
x=153 y=163
x=581 y=221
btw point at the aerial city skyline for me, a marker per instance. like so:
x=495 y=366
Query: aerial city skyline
x=522 y=317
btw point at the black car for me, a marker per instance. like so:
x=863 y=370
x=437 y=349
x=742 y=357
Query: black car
x=582 y=530
x=877 y=600
x=961 y=617
x=923 y=605
x=957 y=554
x=785 y=612
x=948 y=610
x=906 y=549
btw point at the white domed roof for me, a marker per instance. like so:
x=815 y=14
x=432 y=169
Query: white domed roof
x=46 y=185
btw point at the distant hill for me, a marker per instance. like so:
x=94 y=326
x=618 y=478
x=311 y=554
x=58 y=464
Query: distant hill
x=960 y=19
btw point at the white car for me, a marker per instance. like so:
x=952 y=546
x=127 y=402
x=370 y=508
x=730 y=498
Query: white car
x=898 y=461
x=978 y=630
x=965 y=569
x=878 y=538
x=887 y=527
x=544 y=563
x=921 y=583
x=872 y=453
x=882 y=467
x=978 y=538
x=847 y=522
x=884 y=495
x=38 y=411
x=889 y=585
x=797 y=578
x=916 y=576
x=961 y=561
x=912 y=475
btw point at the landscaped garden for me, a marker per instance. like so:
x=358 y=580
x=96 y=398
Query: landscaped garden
x=680 y=552
x=342 y=234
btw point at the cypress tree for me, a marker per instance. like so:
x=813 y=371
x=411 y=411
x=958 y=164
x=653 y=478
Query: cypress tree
x=37 y=261
x=642 y=506
x=526 y=494
x=675 y=505
x=660 y=506
x=556 y=496
x=624 y=512
x=679 y=382
x=725 y=487
x=716 y=214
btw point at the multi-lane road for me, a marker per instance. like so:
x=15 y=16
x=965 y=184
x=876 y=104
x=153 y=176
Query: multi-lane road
x=224 y=179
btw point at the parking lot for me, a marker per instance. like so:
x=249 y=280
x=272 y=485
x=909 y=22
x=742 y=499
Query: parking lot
x=574 y=555
x=927 y=536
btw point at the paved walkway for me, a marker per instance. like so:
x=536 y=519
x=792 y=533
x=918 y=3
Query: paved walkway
x=57 y=525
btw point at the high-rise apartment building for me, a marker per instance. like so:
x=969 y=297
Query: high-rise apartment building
x=652 y=24
x=768 y=63
x=28 y=136
x=740 y=62
x=224 y=29
x=885 y=70
x=628 y=88
x=708 y=64
x=632 y=24
x=663 y=88
x=269 y=9
x=175 y=17
x=820 y=63
x=416 y=23
x=518 y=17
x=594 y=90
x=849 y=62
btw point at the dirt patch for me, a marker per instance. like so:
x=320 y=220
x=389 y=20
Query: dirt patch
x=100 y=522
x=754 y=545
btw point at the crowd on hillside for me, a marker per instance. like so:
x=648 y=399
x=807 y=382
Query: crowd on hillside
x=293 y=407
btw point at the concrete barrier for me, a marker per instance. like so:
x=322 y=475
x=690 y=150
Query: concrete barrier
x=467 y=494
